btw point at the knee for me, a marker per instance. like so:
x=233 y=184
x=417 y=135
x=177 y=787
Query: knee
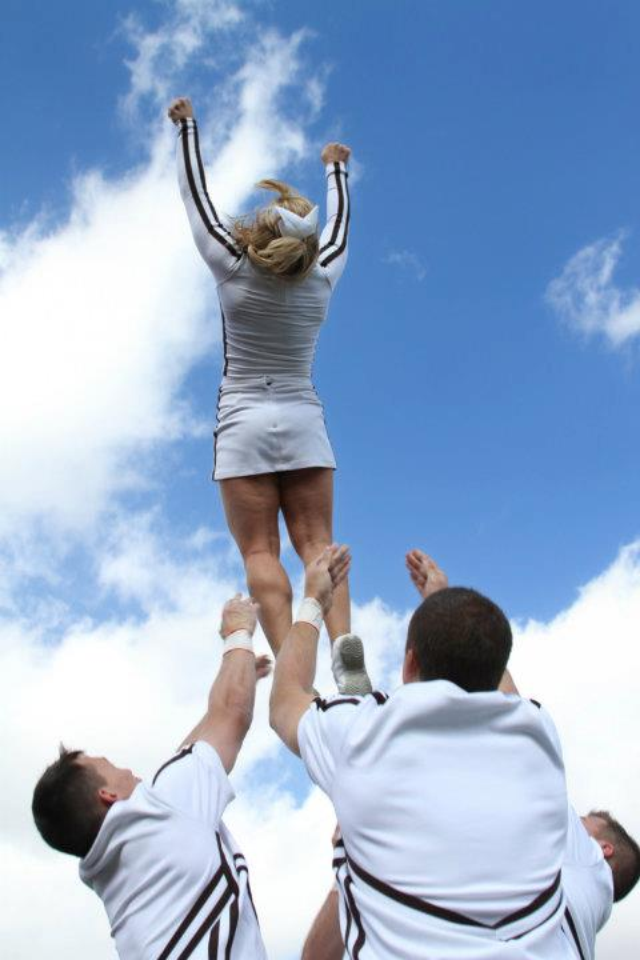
x=308 y=548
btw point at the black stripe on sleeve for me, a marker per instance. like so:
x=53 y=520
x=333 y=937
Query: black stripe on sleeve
x=325 y=705
x=380 y=698
x=343 y=200
x=211 y=229
x=339 y=212
x=178 y=756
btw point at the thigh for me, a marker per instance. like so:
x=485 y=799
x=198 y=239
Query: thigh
x=252 y=506
x=306 y=499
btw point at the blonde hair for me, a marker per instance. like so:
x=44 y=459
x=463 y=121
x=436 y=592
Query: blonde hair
x=287 y=257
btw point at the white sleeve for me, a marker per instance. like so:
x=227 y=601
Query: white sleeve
x=332 y=256
x=195 y=782
x=215 y=242
x=321 y=734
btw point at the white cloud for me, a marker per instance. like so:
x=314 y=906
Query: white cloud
x=131 y=687
x=407 y=261
x=585 y=296
x=110 y=310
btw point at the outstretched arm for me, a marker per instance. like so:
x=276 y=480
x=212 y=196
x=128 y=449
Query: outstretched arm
x=332 y=256
x=214 y=241
x=324 y=940
x=295 y=668
x=428 y=578
x=231 y=698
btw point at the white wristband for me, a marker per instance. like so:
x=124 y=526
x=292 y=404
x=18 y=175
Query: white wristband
x=310 y=612
x=238 y=640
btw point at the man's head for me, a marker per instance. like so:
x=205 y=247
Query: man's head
x=72 y=797
x=458 y=635
x=621 y=851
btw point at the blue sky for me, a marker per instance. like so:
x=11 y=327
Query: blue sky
x=476 y=409
x=495 y=140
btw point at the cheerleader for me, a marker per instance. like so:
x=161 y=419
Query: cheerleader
x=275 y=278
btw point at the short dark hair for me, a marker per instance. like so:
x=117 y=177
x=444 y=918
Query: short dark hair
x=625 y=862
x=460 y=636
x=65 y=805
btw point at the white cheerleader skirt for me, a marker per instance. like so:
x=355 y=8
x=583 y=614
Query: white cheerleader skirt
x=269 y=424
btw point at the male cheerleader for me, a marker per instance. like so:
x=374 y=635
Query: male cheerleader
x=434 y=787
x=158 y=854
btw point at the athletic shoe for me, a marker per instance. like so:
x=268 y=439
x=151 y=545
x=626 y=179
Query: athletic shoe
x=348 y=667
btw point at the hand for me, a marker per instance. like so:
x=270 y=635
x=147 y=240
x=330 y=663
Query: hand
x=324 y=574
x=427 y=576
x=239 y=613
x=180 y=109
x=335 y=153
x=264 y=664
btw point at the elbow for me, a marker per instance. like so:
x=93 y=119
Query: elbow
x=275 y=711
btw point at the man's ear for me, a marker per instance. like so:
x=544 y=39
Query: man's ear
x=410 y=668
x=107 y=797
x=607 y=848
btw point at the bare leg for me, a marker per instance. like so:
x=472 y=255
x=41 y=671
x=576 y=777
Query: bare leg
x=252 y=506
x=306 y=497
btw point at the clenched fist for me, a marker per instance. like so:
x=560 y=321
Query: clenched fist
x=335 y=153
x=180 y=109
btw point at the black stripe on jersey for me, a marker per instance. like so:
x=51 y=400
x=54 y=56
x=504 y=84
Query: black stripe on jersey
x=380 y=698
x=211 y=229
x=325 y=705
x=233 y=926
x=207 y=924
x=342 y=193
x=539 y=901
x=193 y=912
x=178 y=756
x=537 y=704
x=214 y=942
x=225 y=343
x=544 y=920
x=357 y=921
x=574 y=933
x=452 y=916
x=340 y=211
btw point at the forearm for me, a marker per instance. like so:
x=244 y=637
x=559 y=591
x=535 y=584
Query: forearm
x=332 y=256
x=292 y=690
x=234 y=689
x=214 y=241
x=324 y=941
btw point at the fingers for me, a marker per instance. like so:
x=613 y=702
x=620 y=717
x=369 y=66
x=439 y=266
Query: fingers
x=339 y=563
x=264 y=666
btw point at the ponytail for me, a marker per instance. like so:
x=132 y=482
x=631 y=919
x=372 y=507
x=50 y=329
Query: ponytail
x=286 y=257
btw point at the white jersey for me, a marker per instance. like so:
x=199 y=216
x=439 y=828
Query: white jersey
x=453 y=813
x=270 y=326
x=171 y=878
x=588 y=888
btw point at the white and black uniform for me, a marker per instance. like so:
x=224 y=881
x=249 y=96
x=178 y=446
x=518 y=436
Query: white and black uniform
x=269 y=416
x=453 y=813
x=171 y=878
x=588 y=888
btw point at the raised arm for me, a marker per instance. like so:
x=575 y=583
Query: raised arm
x=295 y=668
x=231 y=698
x=324 y=940
x=214 y=241
x=332 y=256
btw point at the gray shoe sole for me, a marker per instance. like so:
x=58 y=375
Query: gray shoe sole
x=356 y=681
